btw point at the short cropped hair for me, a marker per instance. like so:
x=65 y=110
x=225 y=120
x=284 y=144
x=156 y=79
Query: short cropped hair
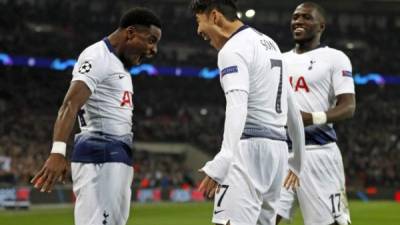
x=228 y=8
x=139 y=16
x=317 y=7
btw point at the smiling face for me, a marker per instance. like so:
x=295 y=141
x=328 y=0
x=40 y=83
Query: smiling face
x=141 y=42
x=208 y=29
x=307 y=24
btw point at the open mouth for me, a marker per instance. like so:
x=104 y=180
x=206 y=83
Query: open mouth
x=298 y=30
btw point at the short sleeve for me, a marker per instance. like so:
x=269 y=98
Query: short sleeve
x=234 y=73
x=342 y=77
x=90 y=69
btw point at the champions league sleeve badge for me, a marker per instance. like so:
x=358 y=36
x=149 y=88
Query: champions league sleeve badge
x=85 y=67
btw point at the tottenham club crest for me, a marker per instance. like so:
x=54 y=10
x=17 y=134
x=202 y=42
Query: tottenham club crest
x=85 y=67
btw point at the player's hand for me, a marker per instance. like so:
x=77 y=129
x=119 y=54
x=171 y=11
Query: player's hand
x=208 y=186
x=291 y=181
x=55 y=168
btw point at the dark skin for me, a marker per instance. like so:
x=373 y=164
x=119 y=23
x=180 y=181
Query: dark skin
x=307 y=26
x=131 y=44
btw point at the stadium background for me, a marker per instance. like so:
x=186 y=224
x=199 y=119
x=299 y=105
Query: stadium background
x=179 y=107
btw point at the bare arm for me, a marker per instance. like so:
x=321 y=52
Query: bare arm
x=55 y=167
x=344 y=109
x=78 y=93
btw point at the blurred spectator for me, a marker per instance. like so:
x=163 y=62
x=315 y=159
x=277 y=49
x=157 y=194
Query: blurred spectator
x=169 y=109
x=184 y=109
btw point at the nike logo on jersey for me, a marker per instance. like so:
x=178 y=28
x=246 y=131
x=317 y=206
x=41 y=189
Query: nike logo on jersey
x=218 y=211
x=121 y=76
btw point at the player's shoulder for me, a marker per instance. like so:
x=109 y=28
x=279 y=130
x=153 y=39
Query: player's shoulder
x=326 y=51
x=229 y=50
x=246 y=41
x=288 y=53
x=96 y=51
x=92 y=56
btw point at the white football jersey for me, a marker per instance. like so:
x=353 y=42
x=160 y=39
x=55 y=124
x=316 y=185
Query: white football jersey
x=109 y=108
x=252 y=62
x=318 y=76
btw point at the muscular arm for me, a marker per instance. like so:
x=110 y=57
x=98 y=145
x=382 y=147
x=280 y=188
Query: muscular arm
x=344 y=109
x=78 y=93
x=55 y=167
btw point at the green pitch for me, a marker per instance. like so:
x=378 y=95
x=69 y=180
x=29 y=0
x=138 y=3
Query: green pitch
x=372 y=213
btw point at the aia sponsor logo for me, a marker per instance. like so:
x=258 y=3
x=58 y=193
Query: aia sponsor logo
x=126 y=100
x=299 y=84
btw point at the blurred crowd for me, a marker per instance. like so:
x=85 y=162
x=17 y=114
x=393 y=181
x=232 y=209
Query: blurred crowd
x=189 y=110
x=63 y=28
x=172 y=109
x=164 y=171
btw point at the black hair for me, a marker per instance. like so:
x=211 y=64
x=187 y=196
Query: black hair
x=318 y=7
x=139 y=16
x=228 y=8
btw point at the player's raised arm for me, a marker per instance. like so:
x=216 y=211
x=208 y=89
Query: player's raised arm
x=55 y=167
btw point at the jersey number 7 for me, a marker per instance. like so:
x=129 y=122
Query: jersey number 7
x=278 y=63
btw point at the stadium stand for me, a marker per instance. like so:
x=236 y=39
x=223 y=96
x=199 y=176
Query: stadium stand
x=183 y=109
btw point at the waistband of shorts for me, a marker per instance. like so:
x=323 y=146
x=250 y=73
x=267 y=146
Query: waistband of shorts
x=126 y=138
x=278 y=134
x=320 y=147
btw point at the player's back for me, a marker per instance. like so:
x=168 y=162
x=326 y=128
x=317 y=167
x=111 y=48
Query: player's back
x=267 y=81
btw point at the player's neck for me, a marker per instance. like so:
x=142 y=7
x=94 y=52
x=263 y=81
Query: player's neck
x=231 y=28
x=228 y=29
x=114 y=39
x=306 y=46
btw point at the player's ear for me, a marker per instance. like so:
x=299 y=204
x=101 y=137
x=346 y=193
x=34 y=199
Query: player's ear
x=213 y=16
x=130 y=32
x=322 y=26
